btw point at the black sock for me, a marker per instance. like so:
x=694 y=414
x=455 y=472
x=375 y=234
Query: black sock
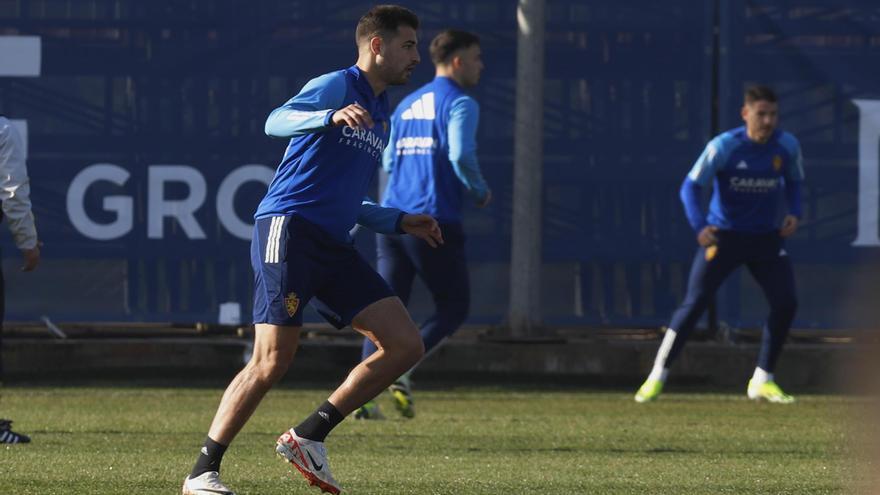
x=209 y=459
x=319 y=423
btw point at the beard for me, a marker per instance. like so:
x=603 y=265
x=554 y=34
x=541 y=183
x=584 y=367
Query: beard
x=398 y=77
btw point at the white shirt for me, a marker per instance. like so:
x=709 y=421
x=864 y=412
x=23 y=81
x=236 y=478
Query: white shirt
x=15 y=187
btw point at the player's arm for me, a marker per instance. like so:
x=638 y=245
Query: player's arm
x=464 y=118
x=379 y=218
x=691 y=192
x=311 y=110
x=393 y=221
x=15 y=196
x=794 y=178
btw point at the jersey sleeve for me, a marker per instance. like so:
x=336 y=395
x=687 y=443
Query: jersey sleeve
x=708 y=164
x=794 y=169
x=379 y=218
x=464 y=117
x=793 y=198
x=15 y=188
x=691 y=195
x=310 y=110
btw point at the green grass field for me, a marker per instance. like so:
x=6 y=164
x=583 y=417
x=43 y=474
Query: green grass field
x=464 y=441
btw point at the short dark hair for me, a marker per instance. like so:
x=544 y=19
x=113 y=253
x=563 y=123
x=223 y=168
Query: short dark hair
x=759 y=93
x=384 y=20
x=445 y=44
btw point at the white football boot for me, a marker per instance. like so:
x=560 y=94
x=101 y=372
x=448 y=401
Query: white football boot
x=205 y=484
x=309 y=458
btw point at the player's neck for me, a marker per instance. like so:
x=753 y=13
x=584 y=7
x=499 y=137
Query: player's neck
x=448 y=74
x=369 y=69
x=753 y=137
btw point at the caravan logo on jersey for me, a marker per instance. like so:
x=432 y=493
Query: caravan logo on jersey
x=760 y=185
x=363 y=139
x=415 y=145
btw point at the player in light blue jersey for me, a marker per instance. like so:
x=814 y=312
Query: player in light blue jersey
x=301 y=250
x=432 y=159
x=750 y=167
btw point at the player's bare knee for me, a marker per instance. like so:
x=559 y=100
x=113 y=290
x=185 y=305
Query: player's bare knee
x=269 y=369
x=405 y=346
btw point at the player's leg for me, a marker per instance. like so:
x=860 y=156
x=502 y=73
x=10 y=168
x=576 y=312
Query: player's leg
x=776 y=278
x=281 y=276
x=2 y=319
x=389 y=326
x=354 y=294
x=6 y=434
x=709 y=269
x=396 y=267
x=399 y=347
x=274 y=348
x=444 y=271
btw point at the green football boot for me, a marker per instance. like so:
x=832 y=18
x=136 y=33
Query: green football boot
x=649 y=391
x=370 y=410
x=401 y=392
x=768 y=391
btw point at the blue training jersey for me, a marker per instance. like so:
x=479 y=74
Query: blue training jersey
x=749 y=180
x=431 y=153
x=326 y=170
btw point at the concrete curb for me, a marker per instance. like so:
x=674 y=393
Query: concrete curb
x=613 y=362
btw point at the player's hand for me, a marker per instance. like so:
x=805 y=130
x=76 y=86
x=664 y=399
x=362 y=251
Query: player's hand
x=354 y=116
x=789 y=225
x=707 y=237
x=485 y=202
x=31 y=257
x=424 y=227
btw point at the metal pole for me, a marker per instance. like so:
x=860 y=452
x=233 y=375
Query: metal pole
x=525 y=263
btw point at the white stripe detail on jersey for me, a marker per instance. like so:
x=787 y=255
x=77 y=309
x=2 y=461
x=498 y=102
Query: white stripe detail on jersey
x=421 y=109
x=302 y=115
x=273 y=240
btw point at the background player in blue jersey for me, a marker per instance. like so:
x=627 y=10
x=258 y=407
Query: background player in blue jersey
x=749 y=167
x=301 y=250
x=432 y=159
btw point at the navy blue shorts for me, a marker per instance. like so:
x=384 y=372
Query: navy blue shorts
x=295 y=261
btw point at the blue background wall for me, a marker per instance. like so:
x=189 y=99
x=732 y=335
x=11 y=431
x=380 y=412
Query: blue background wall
x=633 y=91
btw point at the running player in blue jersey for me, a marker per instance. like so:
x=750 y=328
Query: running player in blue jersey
x=750 y=167
x=301 y=249
x=432 y=159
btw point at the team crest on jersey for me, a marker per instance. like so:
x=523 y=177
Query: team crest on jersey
x=291 y=302
x=777 y=163
x=385 y=127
